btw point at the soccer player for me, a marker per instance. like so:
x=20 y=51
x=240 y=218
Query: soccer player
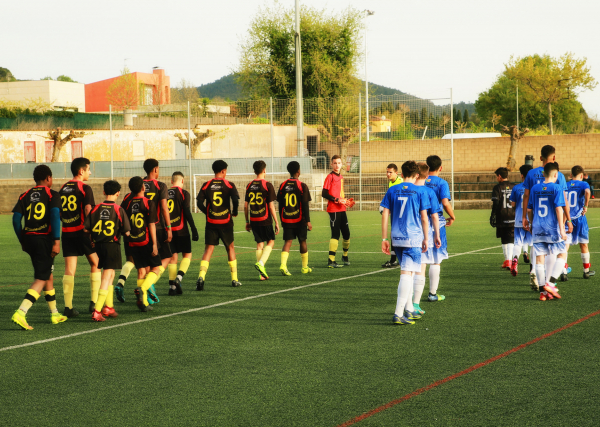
x=181 y=215
x=503 y=215
x=433 y=237
x=259 y=211
x=333 y=191
x=523 y=237
x=222 y=202
x=579 y=198
x=407 y=205
x=106 y=223
x=77 y=200
x=129 y=265
x=39 y=207
x=393 y=179
x=545 y=212
x=142 y=241
x=442 y=191
x=293 y=198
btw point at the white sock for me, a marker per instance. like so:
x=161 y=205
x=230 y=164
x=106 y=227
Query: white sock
x=585 y=258
x=434 y=278
x=526 y=249
x=550 y=259
x=404 y=289
x=559 y=266
x=418 y=287
x=516 y=251
x=565 y=267
x=409 y=300
x=509 y=251
x=504 y=250
x=541 y=274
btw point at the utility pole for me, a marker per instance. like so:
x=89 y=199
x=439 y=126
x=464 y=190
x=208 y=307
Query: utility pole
x=367 y=14
x=299 y=106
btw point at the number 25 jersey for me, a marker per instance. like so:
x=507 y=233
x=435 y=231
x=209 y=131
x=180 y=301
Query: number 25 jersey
x=259 y=193
x=218 y=194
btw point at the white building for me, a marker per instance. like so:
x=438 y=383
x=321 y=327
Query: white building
x=62 y=95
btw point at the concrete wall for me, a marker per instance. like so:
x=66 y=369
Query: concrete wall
x=59 y=94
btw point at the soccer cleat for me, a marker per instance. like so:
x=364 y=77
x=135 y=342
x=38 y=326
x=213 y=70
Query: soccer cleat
x=200 y=284
x=19 y=319
x=70 y=312
x=386 y=264
x=92 y=306
x=261 y=270
x=333 y=264
x=346 y=260
x=418 y=309
x=139 y=299
x=284 y=271
x=525 y=257
x=506 y=265
x=514 y=267
x=171 y=289
x=152 y=295
x=588 y=274
x=552 y=291
x=57 y=318
x=109 y=312
x=434 y=297
x=261 y=278
x=235 y=283
x=306 y=270
x=412 y=315
x=120 y=292
x=564 y=278
x=395 y=264
x=569 y=269
x=97 y=316
x=401 y=320
x=533 y=283
x=178 y=290
x=543 y=296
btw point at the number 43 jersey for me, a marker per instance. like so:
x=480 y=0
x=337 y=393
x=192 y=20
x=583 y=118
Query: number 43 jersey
x=106 y=222
x=218 y=194
x=543 y=201
x=405 y=203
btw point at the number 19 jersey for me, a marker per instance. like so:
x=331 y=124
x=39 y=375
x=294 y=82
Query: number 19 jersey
x=405 y=202
x=543 y=201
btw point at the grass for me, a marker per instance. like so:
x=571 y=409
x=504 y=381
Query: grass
x=315 y=356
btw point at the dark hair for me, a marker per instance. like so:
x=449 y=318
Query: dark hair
x=503 y=172
x=576 y=170
x=219 y=165
x=41 y=172
x=150 y=164
x=335 y=157
x=525 y=169
x=434 y=162
x=392 y=166
x=410 y=169
x=136 y=184
x=423 y=170
x=293 y=167
x=78 y=164
x=111 y=187
x=177 y=174
x=549 y=168
x=547 y=151
x=259 y=167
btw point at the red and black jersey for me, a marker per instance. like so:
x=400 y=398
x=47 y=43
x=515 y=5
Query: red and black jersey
x=106 y=222
x=178 y=200
x=501 y=205
x=259 y=193
x=218 y=194
x=293 y=197
x=35 y=205
x=74 y=197
x=155 y=191
x=141 y=213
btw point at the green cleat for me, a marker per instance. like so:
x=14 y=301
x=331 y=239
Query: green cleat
x=57 y=318
x=261 y=270
x=306 y=270
x=417 y=309
x=284 y=271
x=120 y=292
x=19 y=319
x=152 y=297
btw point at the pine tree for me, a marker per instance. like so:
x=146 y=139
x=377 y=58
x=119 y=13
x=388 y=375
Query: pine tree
x=466 y=116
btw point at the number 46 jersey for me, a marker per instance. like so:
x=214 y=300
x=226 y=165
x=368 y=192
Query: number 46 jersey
x=218 y=194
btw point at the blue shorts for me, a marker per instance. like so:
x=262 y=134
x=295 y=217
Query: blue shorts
x=408 y=258
x=523 y=237
x=544 y=248
x=436 y=255
x=581 y=231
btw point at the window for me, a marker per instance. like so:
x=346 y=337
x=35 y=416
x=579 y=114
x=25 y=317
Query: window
x=311 y=142
x=148 y=95
x=138 y=150
x=29 y=151
x=48 y=147
x=76 y=149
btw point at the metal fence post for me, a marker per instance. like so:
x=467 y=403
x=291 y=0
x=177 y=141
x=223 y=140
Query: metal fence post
x=190 y=143
x=112 y=175
x=272 y=139
x=359 y=154
x=452 y=145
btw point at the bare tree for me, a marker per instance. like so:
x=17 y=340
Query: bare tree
x=495 y=119
x=199 y=137
x=59 y=141
x=515 y=136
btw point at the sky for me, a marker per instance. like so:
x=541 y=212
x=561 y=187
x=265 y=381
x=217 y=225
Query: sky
x=422 y=47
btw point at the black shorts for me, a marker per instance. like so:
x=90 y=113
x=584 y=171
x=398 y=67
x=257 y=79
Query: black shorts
x=338 y=222
x=181 y=244
x=76 y=244
x=164 y=249
x=300 y=233
x=213 y=235
x=506 y=234
x=127 y=250
x=39 y=248
x=142 y=256
x=263 y=233
x=109 y=256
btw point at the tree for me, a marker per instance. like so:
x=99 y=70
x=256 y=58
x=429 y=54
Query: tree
x=550 y=80
x=184 y=92
x=330 y=46
x=338 y=123
x=199 y=137
x=123 y=93
x=63 y=78
x=466 y=116
x=6 y=75
x=59 y=141
x=515 y=136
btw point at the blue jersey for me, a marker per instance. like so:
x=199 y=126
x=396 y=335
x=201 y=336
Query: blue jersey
x=576 y=197
x=441 y=190
x=405 y=202
x=543 y=201
x=517 y=197
x=536 y=176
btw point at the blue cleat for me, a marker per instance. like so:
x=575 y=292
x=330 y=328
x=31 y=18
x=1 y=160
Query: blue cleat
x=412 y=315
x=418 y=309
x=401 y=320
x=435 y=297
x=152 y=297
x=120 y=292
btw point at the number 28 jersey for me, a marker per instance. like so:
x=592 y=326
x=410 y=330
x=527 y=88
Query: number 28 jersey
x=543 y=201
x=405 y=202
x=74 y=196
x=218 y=194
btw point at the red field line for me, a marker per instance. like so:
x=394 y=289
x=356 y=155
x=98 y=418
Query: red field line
x=461 y=373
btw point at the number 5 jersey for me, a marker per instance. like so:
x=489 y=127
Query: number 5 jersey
x=222 y=201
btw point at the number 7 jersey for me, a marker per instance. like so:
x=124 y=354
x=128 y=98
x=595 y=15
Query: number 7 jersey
x=405 y=203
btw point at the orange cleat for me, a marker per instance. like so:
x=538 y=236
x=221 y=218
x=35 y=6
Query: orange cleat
x=109 y=312
x=543 y=296
x=506 y=265
x=97 y=316
x=514 y=267
x=552 y=291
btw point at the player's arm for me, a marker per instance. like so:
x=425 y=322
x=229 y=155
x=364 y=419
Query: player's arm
x=495 y=200
x=526 y=223
x=559 y=216
x=152 y=228
x=530 y=218
x=306 y=212
x=187 y=214
x=55 y=225
x=588 y=194
x=385 y=243
x=164 y=208
x=435 y=220
x=425 y=225
x=125 y=224
x=567 y=211
x=200 y=201
x=17 y=226
x=235 y=204
x=87 y=224
x=514 y=205
x=448 y=208
x=274 y=216
x=246 y=216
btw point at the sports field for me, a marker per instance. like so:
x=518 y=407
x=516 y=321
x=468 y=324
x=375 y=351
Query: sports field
x=310 y=350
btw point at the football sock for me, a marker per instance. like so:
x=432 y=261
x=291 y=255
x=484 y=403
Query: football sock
x=51 y=300
x=516 y=251
x=434 y=278
x=559 y=265
x=345 y=246
x=265 y=255
x=30 y=297
x=304 y=257
x=102 y=293
x=566 y=264
x=549 y=264
x=140 y=282
x=585 y=258
x=125 y=272
x=95 y=279
x=203 y=269
x=504 y=251
x=526 y=248
x=150 y=279
x=233 y=269
x=333 y=245
x=68 y=285
x=110 y=297
x=183 y=268
x=284 y=258
x=418 y=287
x=404 y=287
x=541 y=275
x=509 y=251
x=408 y=306
x=172 y=272
x=161 y=270
x=258 y=254
x=393 y=259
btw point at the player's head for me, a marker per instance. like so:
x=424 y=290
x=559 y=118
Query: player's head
x=259 y=167
x=136 y=185
x=524 y=171
x=410 y=169
x=112 y=188
x=151 y=166
x=336 y=163
x=42 y=174
x=293 y=168
x=219 y=166
x=577 y=172
x=551 y=171
x=434 y=162
x=423 y=170
x=81 y=167
x=392 y=172
x=501 y=174
x=177 y=177
x=548 y=153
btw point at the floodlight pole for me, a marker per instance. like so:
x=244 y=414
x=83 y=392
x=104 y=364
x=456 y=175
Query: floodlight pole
x=272 y=138
x=191 y=176
x=367 y=14
x=452 y=146
x=299 y=107
x=517 y=105
x=111 y=141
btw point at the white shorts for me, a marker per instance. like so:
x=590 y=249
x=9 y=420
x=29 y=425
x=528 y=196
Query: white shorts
x=436 y=255
x=523 y=237
x=544 y=248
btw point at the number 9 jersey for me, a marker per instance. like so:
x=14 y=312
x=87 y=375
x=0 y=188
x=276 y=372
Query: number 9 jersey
x=106 y=222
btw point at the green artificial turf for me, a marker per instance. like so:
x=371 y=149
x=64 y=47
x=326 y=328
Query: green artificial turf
x=315 y=356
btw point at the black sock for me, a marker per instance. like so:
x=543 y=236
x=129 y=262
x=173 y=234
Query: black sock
x=393 y=259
